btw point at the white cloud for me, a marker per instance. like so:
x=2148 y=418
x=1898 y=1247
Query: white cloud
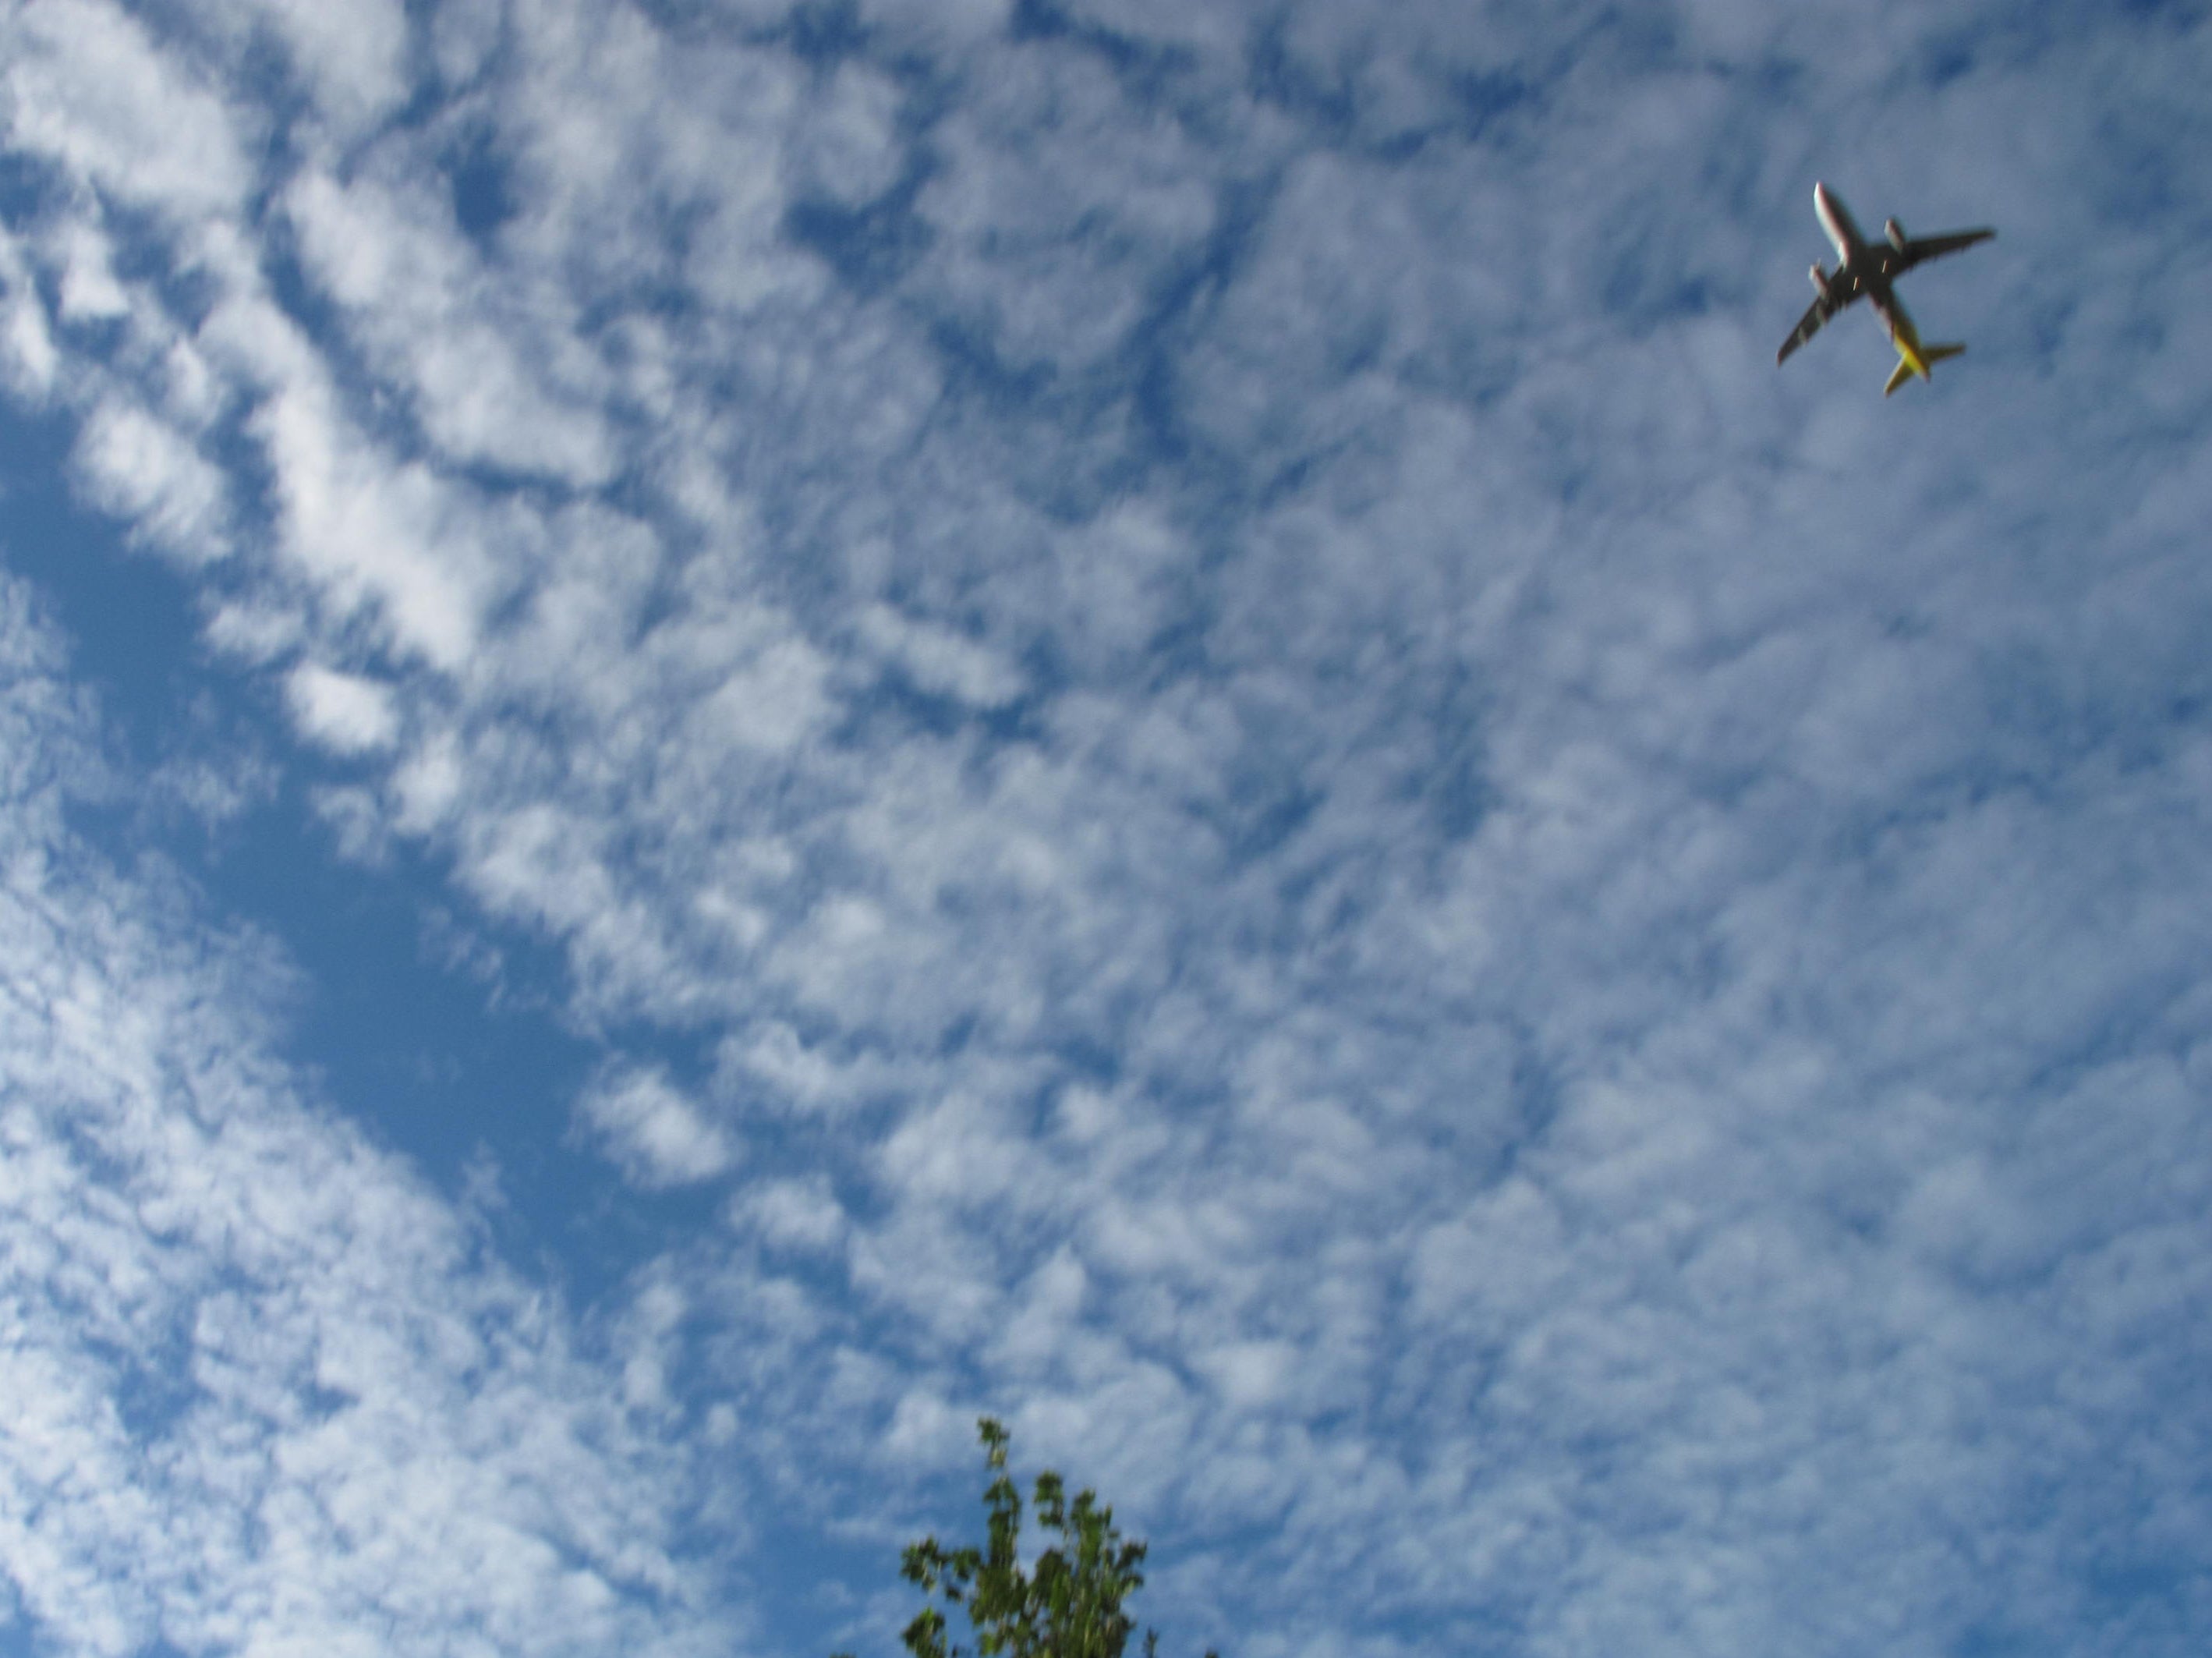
x=1532 y=991
x=849 y=148
x=941 y=22
x=265 y=1395
x=940 y=660
x=1013 y=266
x=89 y=290
x=255 y=633
x=344 y=712
x=140 y=468
x=355 y=52
x=27 y=346
x=777 y=1061
x=426 y=786
x=91 y=91
x=366 y=530
x=462 y=37
x=397 y=259
x=657 y=1134
x=801 y=1214
x=773 y=703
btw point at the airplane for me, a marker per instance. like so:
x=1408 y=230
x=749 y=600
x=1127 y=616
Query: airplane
x=1864 y=270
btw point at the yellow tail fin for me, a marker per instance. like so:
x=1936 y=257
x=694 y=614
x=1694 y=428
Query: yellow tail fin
x=1910 y=363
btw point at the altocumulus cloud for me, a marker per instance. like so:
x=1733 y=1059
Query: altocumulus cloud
x=266 y=1391
x=343 y=711
x=1539 y=991
x=649 y=1127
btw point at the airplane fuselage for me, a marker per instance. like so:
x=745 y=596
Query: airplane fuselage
x=1867 y=267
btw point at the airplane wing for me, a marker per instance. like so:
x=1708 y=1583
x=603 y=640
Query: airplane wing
x=1918 y=250
x=1819 y=312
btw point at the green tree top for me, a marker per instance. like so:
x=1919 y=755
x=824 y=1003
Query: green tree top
x=1071 y=1608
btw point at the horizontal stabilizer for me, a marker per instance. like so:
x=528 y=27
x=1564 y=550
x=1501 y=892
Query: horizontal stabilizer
x=1912 y=363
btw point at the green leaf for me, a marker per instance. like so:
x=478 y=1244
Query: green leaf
x=1072 y=1608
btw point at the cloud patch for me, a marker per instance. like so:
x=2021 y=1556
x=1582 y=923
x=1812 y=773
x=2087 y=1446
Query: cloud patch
x=657 y=1134
x=267 y=1392
x=1544 y=986
x=345 y=713
x=142 y=469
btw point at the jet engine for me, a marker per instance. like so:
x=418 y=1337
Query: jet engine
x=1819 y=279
x=1895 y=232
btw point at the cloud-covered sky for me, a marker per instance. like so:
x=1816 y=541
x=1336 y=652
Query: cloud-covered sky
x=730 y=730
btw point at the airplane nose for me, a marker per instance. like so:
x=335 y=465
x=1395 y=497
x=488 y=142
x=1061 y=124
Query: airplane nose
x=1819 y=194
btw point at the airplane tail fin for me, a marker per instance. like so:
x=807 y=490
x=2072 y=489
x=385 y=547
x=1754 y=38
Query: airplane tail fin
x=1910 y=363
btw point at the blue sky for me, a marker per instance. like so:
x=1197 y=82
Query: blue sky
x=730 y=731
